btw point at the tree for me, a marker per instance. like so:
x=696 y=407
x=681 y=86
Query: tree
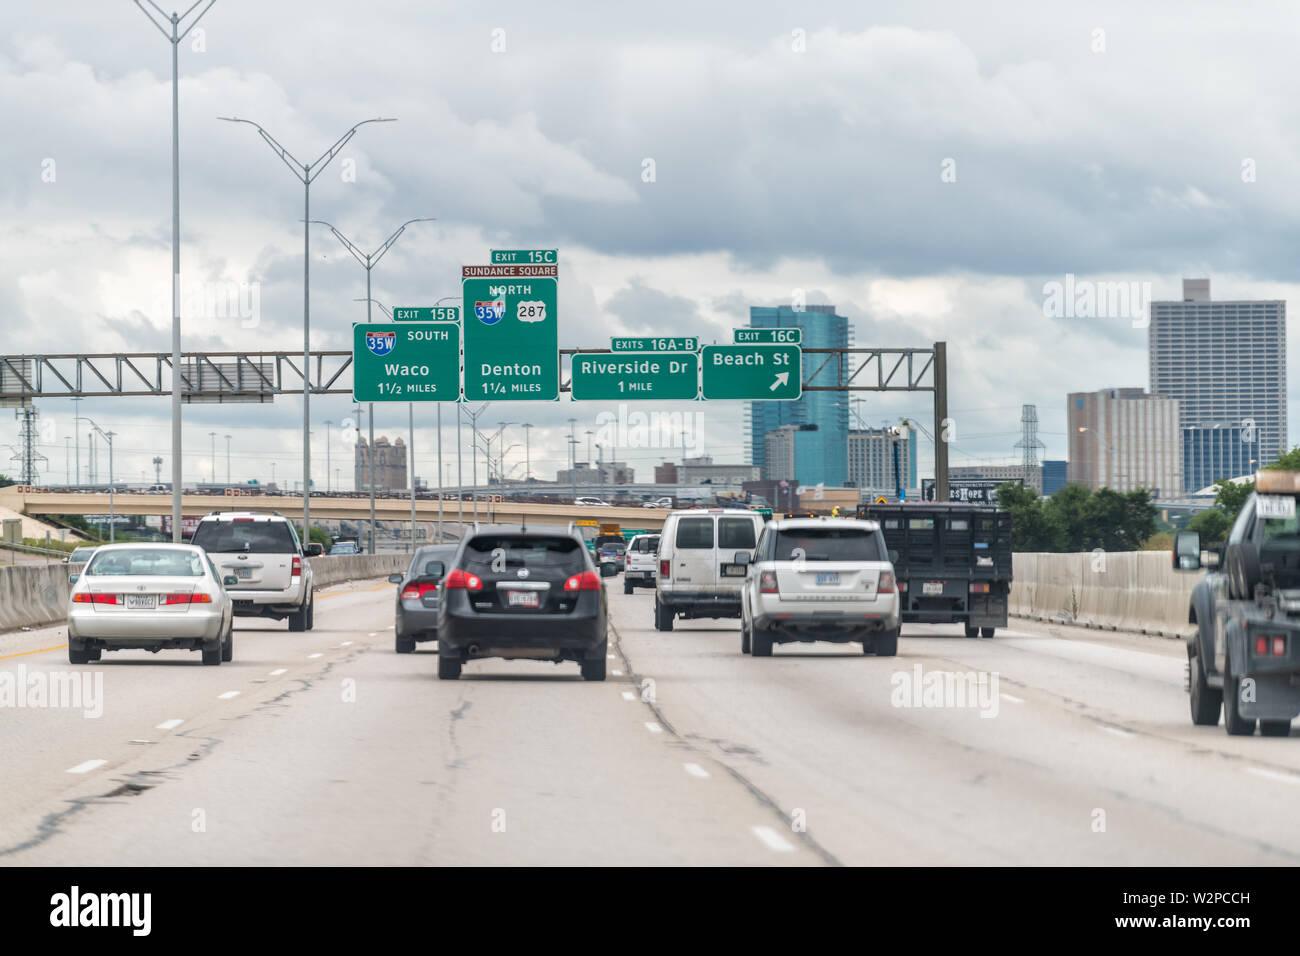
x=1288 y=462
x=1031 y=528
x=1231 y=498
x=6 y=481
x=1066 y=510
x=1211 y=524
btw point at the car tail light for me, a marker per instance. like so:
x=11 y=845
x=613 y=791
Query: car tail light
x=902 y=586
x=463 y=580
x=886 y=585
x=199 y=598
x=1261 y=645
x=297 y=567
x=415 y=591
x=979 y=587
x=664 y=569
x=1279 y=646
x=767 y=582
x=85 y=597
x=586 y=581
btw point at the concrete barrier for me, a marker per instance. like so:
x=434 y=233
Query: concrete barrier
x=36 y=595
x=1132 y=590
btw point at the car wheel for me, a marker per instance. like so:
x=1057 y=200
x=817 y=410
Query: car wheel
x=972 y=631
x=663 y=617
x=1206 y=701
x=311 y=612
x=212 y=656
x=228 y=645
x=760 y=640
x=887 y=643
x=1275 y=728
x=627 y=586
x=298 y=620
x=449 y=668
x=987 y=631
x=96 y=653
x=77 y=654
x=594 y=668
x=744 y=636
x=1233 y=722
x=403 y=644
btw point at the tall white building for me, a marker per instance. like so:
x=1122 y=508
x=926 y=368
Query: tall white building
x=1122 y=439
x=871 y=459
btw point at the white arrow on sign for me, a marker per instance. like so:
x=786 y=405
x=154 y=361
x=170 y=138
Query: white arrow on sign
x=782 y=378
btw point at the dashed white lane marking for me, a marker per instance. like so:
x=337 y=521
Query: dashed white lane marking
x=346 y=644
x=139 y=740
x=88 y=766
x=772 y=840
x=653 y=727
x=373 y=634
x=610 y=656
x=228 y=694
x=1278 y=775
x=1115 y=731
x=695 y=770
x=313 y=656
x=628 y=695
x=278 y=671
x=617 y=673
x=1011 y=697
x=170 y=724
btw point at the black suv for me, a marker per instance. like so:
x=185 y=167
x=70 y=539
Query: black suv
x=522 y=593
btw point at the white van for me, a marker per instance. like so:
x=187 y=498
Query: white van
x=703 y=555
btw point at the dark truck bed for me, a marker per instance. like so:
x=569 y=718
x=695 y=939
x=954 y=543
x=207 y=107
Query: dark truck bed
x=953 y=561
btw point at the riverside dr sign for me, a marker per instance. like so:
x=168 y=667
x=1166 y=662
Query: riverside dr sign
x=416 y=362
x=512 y=340
x=649 y=375
x=752 y=372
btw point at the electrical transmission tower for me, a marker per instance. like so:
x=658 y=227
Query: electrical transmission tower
x=1029 y=439
x=28 y=457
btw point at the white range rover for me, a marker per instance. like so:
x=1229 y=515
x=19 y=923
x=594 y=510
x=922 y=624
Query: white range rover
x=820 y=579
x=264 y=554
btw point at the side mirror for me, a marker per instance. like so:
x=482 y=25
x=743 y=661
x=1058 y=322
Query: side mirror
x=314 y=550
x=1187 y=551
x=229 y=581
x=72 y=578
x=395 y=579
x=740 y=557
x=435 y=569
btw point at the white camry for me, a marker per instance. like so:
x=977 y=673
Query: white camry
x=149 y=596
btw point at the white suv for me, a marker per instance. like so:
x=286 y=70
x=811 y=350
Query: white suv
x=820 y=579
x=703 y=555
x=263 y=552
x=642 y=562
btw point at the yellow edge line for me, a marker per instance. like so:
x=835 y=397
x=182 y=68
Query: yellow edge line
x=5 y=657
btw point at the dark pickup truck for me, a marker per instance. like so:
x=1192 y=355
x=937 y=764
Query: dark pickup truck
x=1243 y=658
x=952 y=562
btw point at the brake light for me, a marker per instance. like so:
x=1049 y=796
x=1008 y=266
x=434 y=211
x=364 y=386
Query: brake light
x=186 y=599
x=297 y=567
x=1261 y=645
x=902 y=586
x=415 y=591
x=586 y=581
x=767 y=582
x=979 y=587
x=85 y=597
x=463 y=580
x=886 y=585
x=664 y=569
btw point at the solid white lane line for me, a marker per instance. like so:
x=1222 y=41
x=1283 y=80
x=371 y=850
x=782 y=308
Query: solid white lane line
x=653 y=727
x=1012 y=698
x=87 y=766
x=695 y=770
x=228 y=694
x=772 y=840
x=628 y=695
x=1117 y=732
x=313 y=656
x=278 y=671
x=170 y=724
x=1278 y=775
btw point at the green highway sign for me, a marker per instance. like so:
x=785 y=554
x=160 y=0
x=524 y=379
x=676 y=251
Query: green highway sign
x=753 y=372
x=767 y=336
x=657 y=375
x=405 y=363
x=512 y=343
x=436 y=313
x=524 y=256
x=649 y=343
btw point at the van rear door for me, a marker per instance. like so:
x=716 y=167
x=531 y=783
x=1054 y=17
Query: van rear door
x=694 y=553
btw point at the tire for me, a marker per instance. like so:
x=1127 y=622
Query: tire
x=663 y=617
x=1205 y=701
x=593 y=668
x=78 y=654
x=627 y=586
x=449 y=668
x=403 y=644
x=298 y=620
x=228 y=645
x=1275 y=728
x=761 y=642
x=987 y=631
x=96 y=653
x=212 y=657
x=886 y=643
x=311 y=611
x=744 y=636
x=1233 y=722
x=972 y=631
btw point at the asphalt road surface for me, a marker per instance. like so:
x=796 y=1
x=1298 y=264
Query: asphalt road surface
x=328 y=748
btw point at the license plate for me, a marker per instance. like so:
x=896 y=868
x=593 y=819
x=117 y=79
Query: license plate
x=522 y=598
x=828 y=577
x=932 y=587
x=141 y=602
x=243 y=573
x=733 y=570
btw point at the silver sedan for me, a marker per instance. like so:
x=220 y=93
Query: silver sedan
x=150 y=596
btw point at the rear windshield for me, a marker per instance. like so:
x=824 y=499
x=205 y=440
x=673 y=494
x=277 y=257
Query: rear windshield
x=827 y=544
x=164 y=562
x=512 y=552
x=736 y=533
x=650 y=544
x=694 y=533
x=250 y=537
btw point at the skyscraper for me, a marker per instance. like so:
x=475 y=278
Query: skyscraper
x=824 y=453
x=1124 y=439
x=1225 y=362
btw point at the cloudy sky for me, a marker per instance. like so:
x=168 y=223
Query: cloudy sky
x=926 y=167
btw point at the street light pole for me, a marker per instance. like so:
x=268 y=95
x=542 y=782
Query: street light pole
x=213 y=457
x=306 y=174
x=227 y=459
x=528 y=459
x=174 y=38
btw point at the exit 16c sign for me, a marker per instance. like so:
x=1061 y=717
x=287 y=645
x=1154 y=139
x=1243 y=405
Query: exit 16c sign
x=411 y=362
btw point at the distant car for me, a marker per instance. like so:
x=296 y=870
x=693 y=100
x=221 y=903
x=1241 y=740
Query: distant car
x=642 y=562
x=344 y=547
x=615 y=553
x=79 y=556
x=659 y=503
x=814 y=579
x=591 y=503
x=150 y=596
x=417 y=596
x=522 y=594
x=274 y=577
